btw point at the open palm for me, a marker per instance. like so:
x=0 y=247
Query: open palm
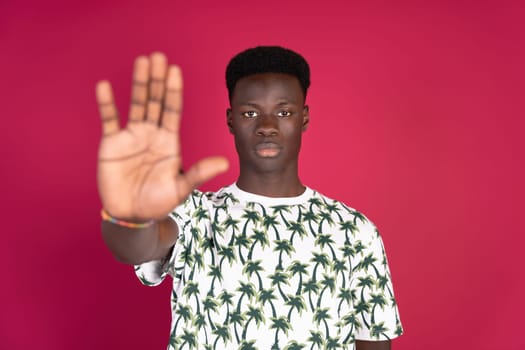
x=139 y=167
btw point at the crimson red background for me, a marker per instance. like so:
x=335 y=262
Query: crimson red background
x=417 y=119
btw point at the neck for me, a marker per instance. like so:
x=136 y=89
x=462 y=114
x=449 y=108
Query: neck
x=270 y=184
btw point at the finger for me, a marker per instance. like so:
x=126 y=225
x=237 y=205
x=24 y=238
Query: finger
x=139 y=90
x=156 y=86
x=107 y=108
x=173 y=100
x=204 y=170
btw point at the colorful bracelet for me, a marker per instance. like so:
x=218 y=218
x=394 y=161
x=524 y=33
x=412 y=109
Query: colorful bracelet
x=107 y=217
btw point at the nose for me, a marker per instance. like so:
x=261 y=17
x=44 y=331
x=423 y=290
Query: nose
x=267 y=125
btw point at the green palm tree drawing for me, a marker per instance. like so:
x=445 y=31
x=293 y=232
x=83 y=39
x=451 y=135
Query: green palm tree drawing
x=230 y=224
x=382 y=282
x=328 y=282
x=216 y=274
x=226 y=298
x=349 y=228
x=367 y=262
x=334 y=208
x=298 y=268
x=280 y=324
x=319 y=259
x=218 y=208
x=280 y=210
x=296 y=227
x=311 y=286
x=188 y=338
x=359 y=247
x=365 y=282
x=278 y=278
x=363 y=308
x=267 y=296
x=246 y=289
x=379 y=329
x=295 y=302
x=359 y=216
x=349 y=253
x=316 y=338
x=376 y=300
x=186 y=256
x=223 y=333
x=237 y=319
x=310 y=217
x=351 y=320
x=199 y=321
x=198 y=263
x=283 y=246
x=252 y=267
x=210 y=304
x=321 y=315
x=332 y=343
x=271 y=221
x=226 y=253
x=259 y=237
x=174 y=341
x=242 y=241
x=323 y=240
x=344 y=296
x=315 y=201
x=228 y=197
x=249 y=216
x=247 y=345
x=201 y=214
x=325 y=217
x=192 y=288
x=293 y=345
x=207 y=245
x=339 y=268
x=184 y=312
x=253 y=313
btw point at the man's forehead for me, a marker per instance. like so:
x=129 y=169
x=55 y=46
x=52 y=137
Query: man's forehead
x=285 y=85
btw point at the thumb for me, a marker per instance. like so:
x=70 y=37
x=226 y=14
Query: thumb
x=205 y=170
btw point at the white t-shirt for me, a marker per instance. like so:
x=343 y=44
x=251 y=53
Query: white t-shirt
x=254 y=272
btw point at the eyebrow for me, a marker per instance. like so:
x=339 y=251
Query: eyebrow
x=253 y=104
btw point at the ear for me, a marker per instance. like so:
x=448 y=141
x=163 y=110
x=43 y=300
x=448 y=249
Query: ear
x=229 y=120
x=306 y=117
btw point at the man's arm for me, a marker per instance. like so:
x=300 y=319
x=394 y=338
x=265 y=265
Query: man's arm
x=138 y=173
x=372 y=345
x=139 y=245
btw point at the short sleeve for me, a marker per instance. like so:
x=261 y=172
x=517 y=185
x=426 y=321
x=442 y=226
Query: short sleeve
x=152 y=273
x=376 y=313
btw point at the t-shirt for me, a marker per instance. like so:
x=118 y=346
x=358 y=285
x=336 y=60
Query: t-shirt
x=254 y=272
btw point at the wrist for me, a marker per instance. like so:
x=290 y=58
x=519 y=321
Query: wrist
x=125 y=223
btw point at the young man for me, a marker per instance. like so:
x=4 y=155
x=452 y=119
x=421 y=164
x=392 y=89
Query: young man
x=265 y=263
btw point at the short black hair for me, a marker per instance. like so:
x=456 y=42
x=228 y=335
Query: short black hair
x=267 y=59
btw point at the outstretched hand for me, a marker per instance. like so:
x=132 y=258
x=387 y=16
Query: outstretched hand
x=139 y=166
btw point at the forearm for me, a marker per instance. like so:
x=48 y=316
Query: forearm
x=372 y=345
x=138 y=245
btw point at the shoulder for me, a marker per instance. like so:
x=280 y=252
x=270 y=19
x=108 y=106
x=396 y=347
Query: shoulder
x=345 y=211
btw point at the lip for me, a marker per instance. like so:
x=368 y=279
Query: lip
x=267 y=149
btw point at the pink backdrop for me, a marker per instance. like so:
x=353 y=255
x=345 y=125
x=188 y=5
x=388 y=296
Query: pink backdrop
x=417 y=119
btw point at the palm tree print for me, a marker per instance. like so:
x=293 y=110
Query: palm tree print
x=250 y=274
x=255 y=314
x=298 y=268
x=280 y=324
x=252 y=267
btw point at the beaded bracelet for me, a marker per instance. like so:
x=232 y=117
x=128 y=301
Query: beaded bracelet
x=107 y=217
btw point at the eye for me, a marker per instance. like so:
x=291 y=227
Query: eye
x=249 y=114
x=284 y=113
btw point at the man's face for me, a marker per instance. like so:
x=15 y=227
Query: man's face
x=267 y=118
